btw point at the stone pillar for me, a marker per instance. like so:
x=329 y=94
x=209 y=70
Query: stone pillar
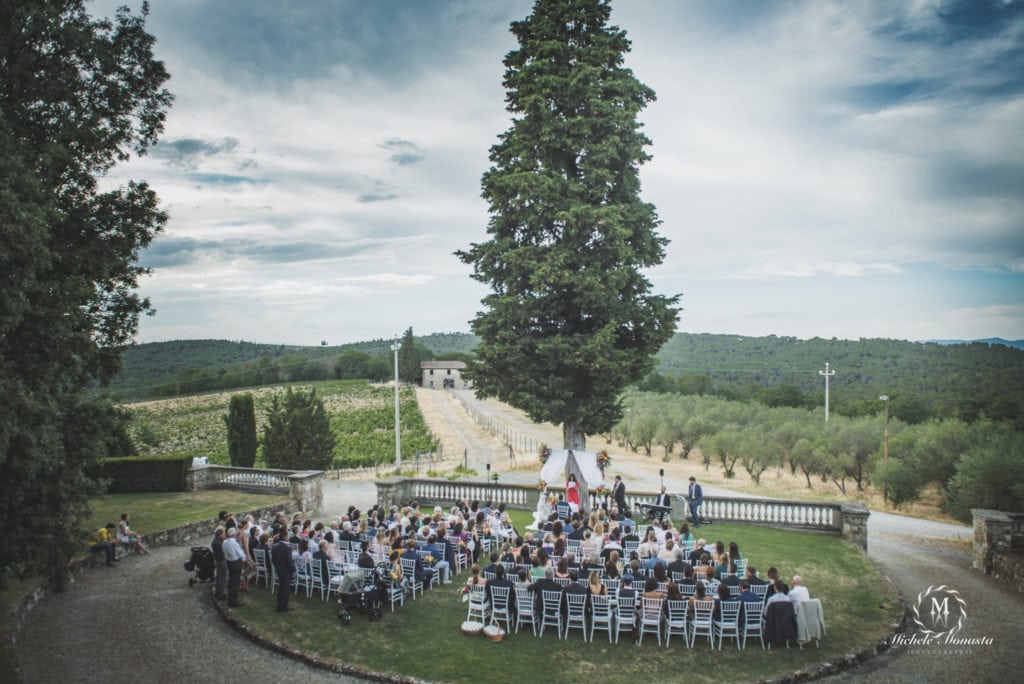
x=854 y=524
x=198 y=478
x=993 y=535
x=391 y=491
x=306 y=488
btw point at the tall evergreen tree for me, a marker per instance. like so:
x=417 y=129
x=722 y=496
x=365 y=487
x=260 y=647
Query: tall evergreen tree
x=297 y=435
x=570 y=320
x=241 y=425
x=77 y=96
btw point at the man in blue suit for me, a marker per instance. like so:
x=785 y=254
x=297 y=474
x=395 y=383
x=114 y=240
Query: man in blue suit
x=284 y=566
x=695 y=497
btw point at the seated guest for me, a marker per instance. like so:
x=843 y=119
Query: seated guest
x=545 y=583
x=781 y=593
x=103 y=541
x=669 y=554
x=678 y=566
x=562 y=569
x=688 y=578
x=596 y=586
x=752 y=578
x=722 y=567
x=611 y=567
x=475 y=577
x=798 y=592
x=699 y=594
x=499 y=581
x=423 y=573
x=723 y=595
x=491 y=568
x=745 y=593
x=773 y=574
x=439 y=564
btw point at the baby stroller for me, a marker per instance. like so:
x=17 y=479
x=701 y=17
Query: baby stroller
x=201 y=564
x=367 y=596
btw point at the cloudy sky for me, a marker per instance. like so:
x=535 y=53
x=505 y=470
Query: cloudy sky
x=821 y=168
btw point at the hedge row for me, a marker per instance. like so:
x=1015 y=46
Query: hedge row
x=151 y=474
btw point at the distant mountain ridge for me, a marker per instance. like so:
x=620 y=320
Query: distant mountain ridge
x=1016 y=344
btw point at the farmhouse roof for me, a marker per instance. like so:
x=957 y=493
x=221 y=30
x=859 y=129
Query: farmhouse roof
x=427 y=365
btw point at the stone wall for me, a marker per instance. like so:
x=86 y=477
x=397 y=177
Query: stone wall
x=998 y=546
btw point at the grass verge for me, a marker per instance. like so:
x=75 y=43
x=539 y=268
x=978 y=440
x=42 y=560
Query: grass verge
x=422 y=639
x=158 y=511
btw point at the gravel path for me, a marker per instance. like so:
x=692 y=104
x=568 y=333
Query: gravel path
x=918 y=554
x=141 y=622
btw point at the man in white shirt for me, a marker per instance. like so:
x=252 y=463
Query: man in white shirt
x=798 y=592
x=235 y=557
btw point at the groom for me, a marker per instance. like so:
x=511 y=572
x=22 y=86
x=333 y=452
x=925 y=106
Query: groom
x=695 y=498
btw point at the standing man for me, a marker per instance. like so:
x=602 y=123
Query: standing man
x=221 y=565
x=619 y=494
x=235 y=557
x=695 y=498
x=664 y=504
x=284 y=567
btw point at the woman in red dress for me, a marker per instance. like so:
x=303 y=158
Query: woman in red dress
x=572 y=492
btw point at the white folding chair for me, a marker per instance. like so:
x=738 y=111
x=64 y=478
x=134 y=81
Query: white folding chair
x=676 y=622
x=409 y=575
x=728 y=622
x=500 y=606
x=576 y=615
x=701 y=624
x=650 y=617
x=396 y=593
x=524 y=608
x=752 y=623
x=551 y=611
x=316 y=577
x=262 y=566
x=302 y=576
x=479 y=604
x=625 y=615
x=601 y=614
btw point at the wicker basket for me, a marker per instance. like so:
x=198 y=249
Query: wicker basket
x=494 y=633
x=472 y=628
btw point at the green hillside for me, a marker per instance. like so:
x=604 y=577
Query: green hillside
x=923 y=380
x=151 y=369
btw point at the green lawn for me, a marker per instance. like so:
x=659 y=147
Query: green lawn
x=155 y=512
x=423 y=639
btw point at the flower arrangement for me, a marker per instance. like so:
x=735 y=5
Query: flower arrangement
x=543 y=485
x=600 y=490
x=429 y=560
x=544 y=454
x=603 y=459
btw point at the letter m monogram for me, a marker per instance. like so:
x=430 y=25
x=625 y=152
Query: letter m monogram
x=940 y=608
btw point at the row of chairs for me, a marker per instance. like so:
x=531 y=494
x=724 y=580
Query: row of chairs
x=658 y=616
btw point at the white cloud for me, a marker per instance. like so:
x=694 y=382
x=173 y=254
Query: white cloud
x=821 y=152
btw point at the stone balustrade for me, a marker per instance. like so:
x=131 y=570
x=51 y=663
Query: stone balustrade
x=304 y=487
x=847 y=519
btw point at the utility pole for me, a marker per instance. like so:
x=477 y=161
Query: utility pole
x=885 y=439
x=398 y=430
x=827 y=374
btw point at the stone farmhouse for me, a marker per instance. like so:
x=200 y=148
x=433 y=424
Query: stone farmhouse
x=443 y=375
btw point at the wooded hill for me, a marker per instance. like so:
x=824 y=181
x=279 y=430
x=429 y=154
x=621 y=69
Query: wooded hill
x=922 y=379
